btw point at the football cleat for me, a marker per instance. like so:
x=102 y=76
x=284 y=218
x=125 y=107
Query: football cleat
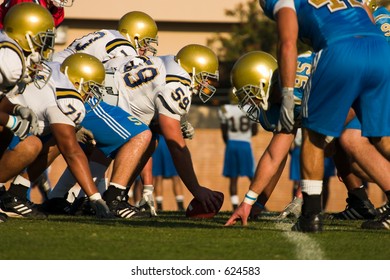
x=56 y=206
x=81 y=207
x=292 y=209
x=3 y=217
x=382 y=222
x=125 y=210
x=312 y=223
x=15 y=207
x=356 y=209
x=382 y=209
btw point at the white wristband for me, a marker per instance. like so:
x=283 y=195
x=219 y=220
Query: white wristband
x=95 y=196
x=11 y=122
x=250 y=197
x=287 y=91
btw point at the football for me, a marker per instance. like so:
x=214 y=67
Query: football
x=195 y=209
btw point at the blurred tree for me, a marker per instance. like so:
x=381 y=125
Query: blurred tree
x=252 y=32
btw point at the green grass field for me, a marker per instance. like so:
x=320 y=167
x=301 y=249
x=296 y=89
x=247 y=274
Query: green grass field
x=172 y=236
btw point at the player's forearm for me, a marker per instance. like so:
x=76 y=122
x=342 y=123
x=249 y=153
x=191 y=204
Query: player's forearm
x=182 y=159
x=78 y=165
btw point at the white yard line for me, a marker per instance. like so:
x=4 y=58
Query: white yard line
x=306 y=247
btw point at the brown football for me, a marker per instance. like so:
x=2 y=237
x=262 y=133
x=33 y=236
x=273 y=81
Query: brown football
x=195 y=209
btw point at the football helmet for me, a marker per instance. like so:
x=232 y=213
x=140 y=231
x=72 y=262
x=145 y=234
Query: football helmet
x=32 y=27
x=252 y=78
x=371 y=4
x=141 y=30
x=202 y=65
x=62 y=3
x=87 y=74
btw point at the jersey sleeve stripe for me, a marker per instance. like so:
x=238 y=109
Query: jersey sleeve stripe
x=68 y=93
x=117 y=43
x=177 y=79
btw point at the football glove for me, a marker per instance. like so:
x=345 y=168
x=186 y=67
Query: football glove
x=101 y=209
x=147 y=201
x=20 y=127
x=187 y=130
x=85 y=136
x=29 y=115
x=286 y=118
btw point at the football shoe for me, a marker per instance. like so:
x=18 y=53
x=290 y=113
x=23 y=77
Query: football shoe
x=125 y=210
x=382 y=222
x=312 y=223
x=356 y=209
x=16 y=207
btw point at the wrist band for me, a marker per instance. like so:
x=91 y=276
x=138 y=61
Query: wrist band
x=287 y=91
x=11 y=122
x=250 y=197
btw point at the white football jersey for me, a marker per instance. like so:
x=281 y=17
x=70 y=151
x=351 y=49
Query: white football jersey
x=144 y=86
x=177 y=94
x=138 y=82
x=103 y=44
x=239 y=126
x=12 y=63
x=57 y=102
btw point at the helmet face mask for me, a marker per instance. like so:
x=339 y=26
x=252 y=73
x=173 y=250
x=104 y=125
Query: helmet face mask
x=204 y=87
x=252 y=77
x=62 y=3
x=145 y=46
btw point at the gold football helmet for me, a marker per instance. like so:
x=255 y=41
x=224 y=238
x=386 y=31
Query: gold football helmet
x=87 y=74
x=371 y=4
x=32 y=27
x=252 y=78
x=202 y=65
x=141 y=30
x=62 y=3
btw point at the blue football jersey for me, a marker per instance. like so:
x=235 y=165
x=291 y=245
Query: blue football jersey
x=382 y=21
x=322 y=22
x=269 y=119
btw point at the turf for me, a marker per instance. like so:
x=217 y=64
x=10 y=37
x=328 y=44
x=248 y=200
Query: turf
x=172 y=236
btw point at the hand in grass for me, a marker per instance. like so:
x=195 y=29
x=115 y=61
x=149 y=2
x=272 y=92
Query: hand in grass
x=241 y=213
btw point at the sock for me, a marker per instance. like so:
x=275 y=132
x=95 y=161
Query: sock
x=95 y=196
x=234 y=200
x=359 y=193
x=20 y=180
x=179 y=202
x=312 y=201
x=159 y=202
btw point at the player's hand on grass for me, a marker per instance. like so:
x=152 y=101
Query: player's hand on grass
x=101 y=209
x=240 y=214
